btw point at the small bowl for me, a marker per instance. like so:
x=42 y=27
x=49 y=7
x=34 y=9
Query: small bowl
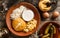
x=42 y=29
x=28 y=5
x=53 y=6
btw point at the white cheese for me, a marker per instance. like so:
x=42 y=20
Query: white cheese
x=18 y=12
x=22 y=8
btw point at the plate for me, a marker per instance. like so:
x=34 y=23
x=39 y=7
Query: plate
x=28 y=5
x=42 y=29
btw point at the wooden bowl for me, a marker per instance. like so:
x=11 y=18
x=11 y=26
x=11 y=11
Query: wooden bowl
x=28 y=5
x=42 y=29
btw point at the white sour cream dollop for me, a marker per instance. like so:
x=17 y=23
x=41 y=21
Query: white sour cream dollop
x=28 y=15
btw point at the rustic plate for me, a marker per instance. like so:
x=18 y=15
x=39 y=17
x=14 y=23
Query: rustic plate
x=28 y=5
x=42 y=29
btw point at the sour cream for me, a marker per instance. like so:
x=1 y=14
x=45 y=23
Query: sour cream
x=28 y=15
